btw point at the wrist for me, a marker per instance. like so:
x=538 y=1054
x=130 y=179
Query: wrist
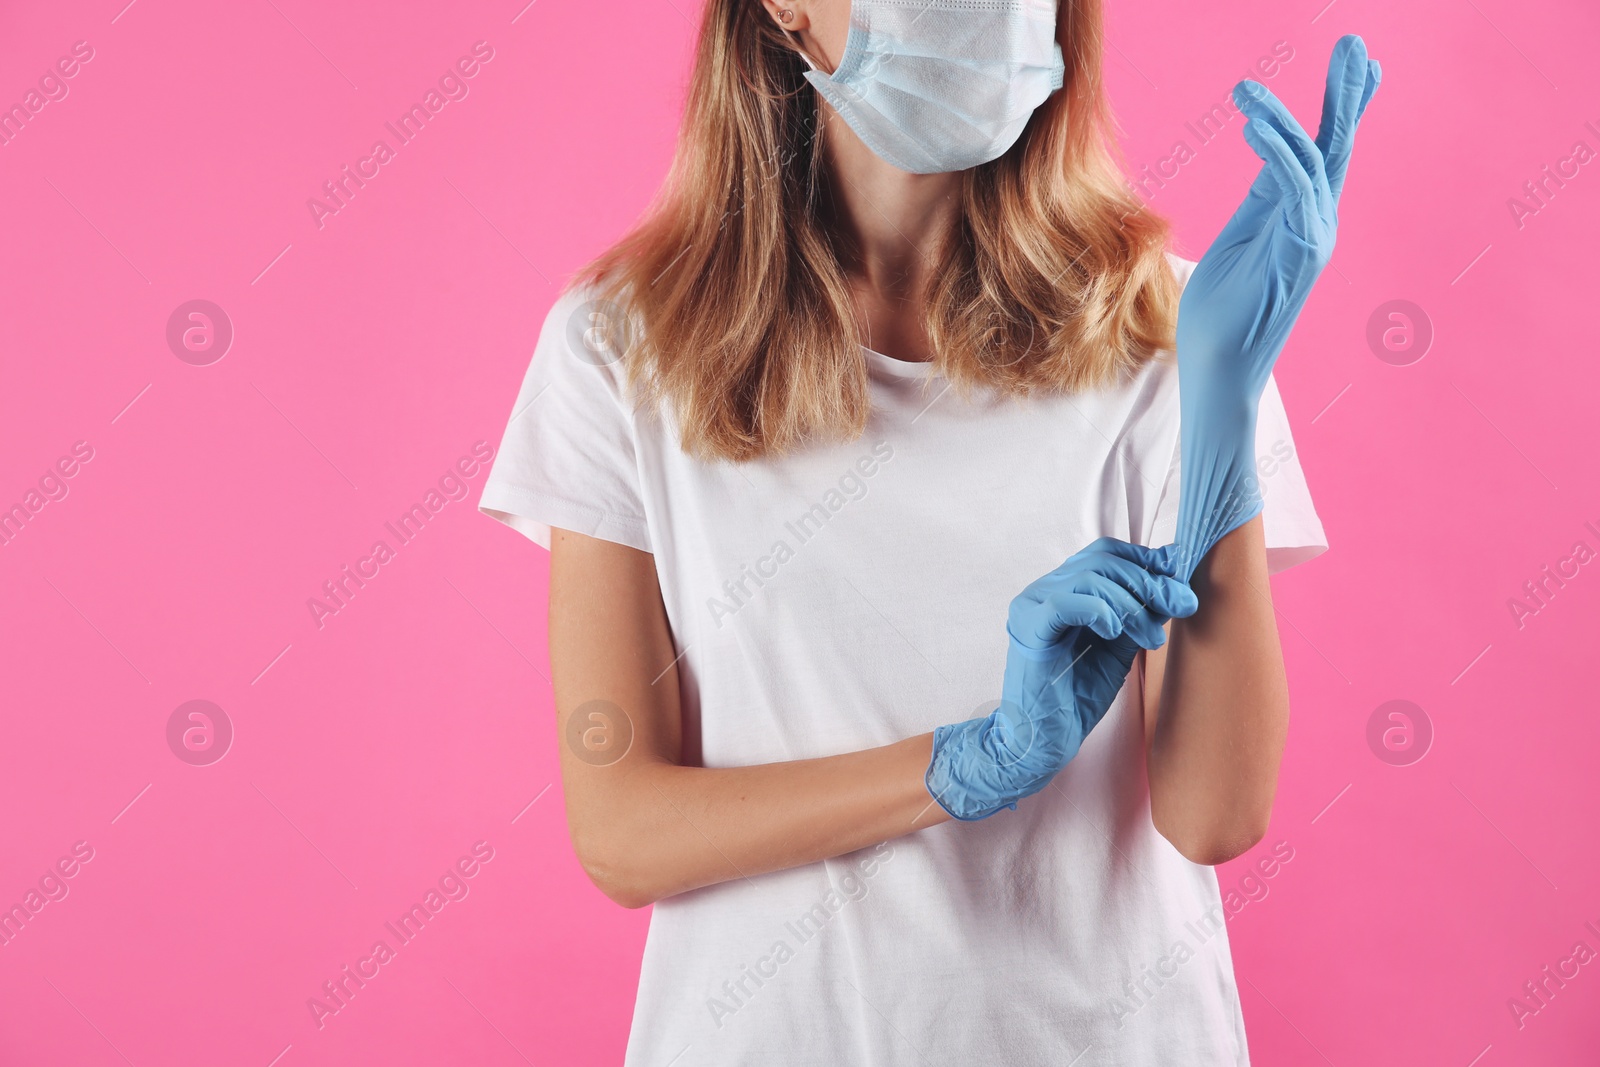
x=963 y=778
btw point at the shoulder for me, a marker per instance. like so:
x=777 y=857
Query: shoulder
x=583 y=340
x=585 y=323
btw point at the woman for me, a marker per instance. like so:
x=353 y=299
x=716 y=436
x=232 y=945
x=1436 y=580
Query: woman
x=888 y=348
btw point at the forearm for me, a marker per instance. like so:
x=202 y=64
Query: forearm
x=646 y=823
x=671 y=828
x=1223 y=711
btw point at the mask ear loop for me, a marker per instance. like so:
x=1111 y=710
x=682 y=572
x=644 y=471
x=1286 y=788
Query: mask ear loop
x=785 y=16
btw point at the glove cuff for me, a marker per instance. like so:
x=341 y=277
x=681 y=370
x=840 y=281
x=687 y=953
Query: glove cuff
x=942 y=783
x=1219 y=490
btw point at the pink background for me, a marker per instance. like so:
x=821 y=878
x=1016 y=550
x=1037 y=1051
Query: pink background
x=373 y=352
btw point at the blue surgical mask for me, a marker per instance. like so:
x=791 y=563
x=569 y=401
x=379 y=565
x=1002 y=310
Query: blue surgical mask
x=934 y=86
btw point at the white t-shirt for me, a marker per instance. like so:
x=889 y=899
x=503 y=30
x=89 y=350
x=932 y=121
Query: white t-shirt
x=853 y=595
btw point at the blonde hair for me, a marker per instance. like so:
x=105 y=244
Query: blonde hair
x=1054 y=278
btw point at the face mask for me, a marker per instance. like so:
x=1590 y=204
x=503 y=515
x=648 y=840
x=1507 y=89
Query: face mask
x=934 y=86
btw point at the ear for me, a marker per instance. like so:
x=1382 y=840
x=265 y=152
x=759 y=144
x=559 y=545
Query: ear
x=791 y=15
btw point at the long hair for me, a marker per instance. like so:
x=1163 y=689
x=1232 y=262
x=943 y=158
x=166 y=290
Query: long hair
x=1055 y=277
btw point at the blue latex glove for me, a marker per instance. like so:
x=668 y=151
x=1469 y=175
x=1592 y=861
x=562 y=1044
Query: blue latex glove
x=1245 y=294
x=1074 y=634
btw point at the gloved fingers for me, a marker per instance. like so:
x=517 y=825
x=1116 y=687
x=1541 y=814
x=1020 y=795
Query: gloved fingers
x=1145 y=628
x=1159 y=592
x=1146 y=574
x=1259 y=104
x=1341 y=103
x=1082 y=599
x=1374 y=79
x=1122 y=590
x=1100 y=607
x=1352 y=79
x=1299 y=199
x=1129 y=622
x=1176 y=600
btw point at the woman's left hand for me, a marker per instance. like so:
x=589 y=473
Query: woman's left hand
x=1244 y=296
x=1238 y=308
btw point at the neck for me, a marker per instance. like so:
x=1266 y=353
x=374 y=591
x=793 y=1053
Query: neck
x=890 y=224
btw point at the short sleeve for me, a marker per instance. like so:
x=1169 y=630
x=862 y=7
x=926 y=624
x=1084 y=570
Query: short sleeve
x=1293 y=531
x=568 y=457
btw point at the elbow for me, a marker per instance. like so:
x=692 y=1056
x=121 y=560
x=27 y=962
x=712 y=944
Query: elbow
x=621 y=892
x=622 y=879
x=1213 y=843
x=1215 y=851
x=618 y=888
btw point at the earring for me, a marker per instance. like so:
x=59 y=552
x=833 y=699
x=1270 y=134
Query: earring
x=786 y=16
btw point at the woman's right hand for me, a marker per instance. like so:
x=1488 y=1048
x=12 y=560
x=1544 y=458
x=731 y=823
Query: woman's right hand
x=1073 y=637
